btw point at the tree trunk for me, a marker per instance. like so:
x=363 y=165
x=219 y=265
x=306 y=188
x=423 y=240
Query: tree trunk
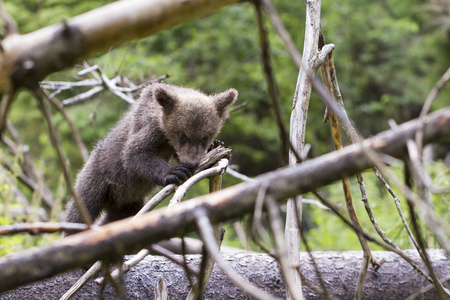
x=394 y=280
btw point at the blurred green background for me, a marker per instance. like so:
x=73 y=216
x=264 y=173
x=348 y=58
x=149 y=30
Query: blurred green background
x=388 y=56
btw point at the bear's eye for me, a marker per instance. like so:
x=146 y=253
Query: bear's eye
x=205 y=139
x=182 y=138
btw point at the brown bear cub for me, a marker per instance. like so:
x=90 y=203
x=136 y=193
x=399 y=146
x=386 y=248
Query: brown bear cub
x=124 y=167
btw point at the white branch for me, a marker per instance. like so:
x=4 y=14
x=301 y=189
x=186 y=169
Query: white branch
x=205 y=228
x=182 y=189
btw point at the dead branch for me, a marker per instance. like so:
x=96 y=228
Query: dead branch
x=122 y=237
x=206 y=230
x=75 y=133
x=27 y=59
x=31 y=176
x=54 y=138
x=330 y=81
x=428 y=102
x=312 y=59
x=42 y=227
x=208 y=263
x=272 y=85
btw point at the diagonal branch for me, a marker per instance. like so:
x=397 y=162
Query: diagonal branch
x=62 y=160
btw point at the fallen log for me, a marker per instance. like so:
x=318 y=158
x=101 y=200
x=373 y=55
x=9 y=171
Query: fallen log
x=394 y=280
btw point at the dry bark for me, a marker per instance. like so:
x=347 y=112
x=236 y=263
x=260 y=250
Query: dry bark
x=394 y=280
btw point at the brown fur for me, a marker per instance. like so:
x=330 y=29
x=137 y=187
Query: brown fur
x=132 y=159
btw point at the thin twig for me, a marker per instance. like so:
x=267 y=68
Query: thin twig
x=237 y=107
x=283 y=33
x=66 y=85
x=29 y=167
x=431 y=220
x=182 y=189
x=83 y=96
x=62 y=160
x=366 y=235
x=238 y=175
x=313 y=261
x=75 y=133
x=110 y=85
x=25 y=177
x=427 y=106
x=5 y=104
x=171 y=256
x=206 y=231
x=42 y=227
x=82 y=281
x=270 y=80
x=276 y=225
x=441 y=291
x=185 y=264
x=155 y=200
x=426 y=289
x=207 y=264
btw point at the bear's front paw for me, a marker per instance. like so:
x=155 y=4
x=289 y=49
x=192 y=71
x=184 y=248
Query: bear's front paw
x=179 y=174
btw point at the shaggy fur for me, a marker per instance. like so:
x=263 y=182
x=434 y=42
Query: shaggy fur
x=124 y=167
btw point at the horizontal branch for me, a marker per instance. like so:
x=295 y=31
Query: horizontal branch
x=42 y=227
x=122 y=237
x=27 y=59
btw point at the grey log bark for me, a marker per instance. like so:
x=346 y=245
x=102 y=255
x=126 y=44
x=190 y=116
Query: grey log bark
x=394 y=280
x=122 y=237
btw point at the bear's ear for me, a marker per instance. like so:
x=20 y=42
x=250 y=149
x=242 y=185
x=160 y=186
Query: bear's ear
x=223 y=100
x=165 y=98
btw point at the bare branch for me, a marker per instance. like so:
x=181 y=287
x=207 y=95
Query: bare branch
x=42 y=227
x=276 y=225
x=62 y=160
x=272 y=85
x=182 y=189
x=426 y=289
x=427 y=106
x=207 y=233
x=75 y=133
x=207 y=265
x=31 y=176
x=5 y=104
x=83 y=96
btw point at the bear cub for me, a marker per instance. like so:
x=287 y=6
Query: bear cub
x=166 y=121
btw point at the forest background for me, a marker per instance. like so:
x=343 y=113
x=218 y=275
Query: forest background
x=388 y=56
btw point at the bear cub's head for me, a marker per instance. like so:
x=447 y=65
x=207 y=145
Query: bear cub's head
x=191 y=119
